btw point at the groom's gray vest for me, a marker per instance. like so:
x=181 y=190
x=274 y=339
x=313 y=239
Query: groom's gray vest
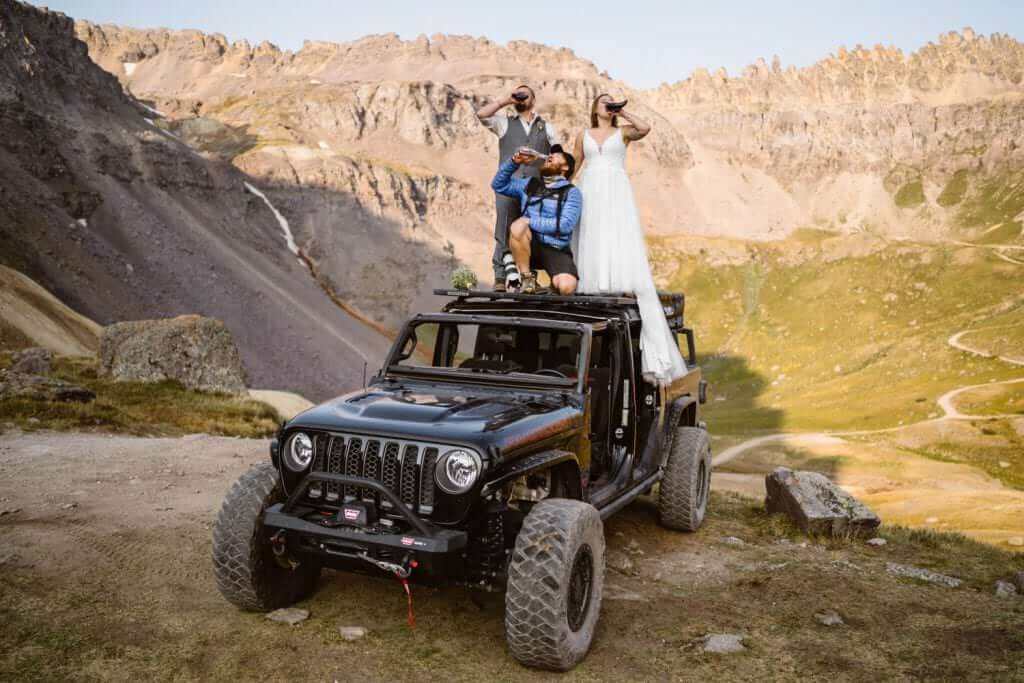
x=515 y=137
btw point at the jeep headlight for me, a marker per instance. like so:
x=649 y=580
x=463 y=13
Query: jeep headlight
x=299 y=452
x=457 y=471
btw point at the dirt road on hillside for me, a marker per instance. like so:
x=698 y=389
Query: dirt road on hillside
x=105 y=557
x=905 y=488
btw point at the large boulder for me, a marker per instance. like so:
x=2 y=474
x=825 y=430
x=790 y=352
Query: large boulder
x=818 y=506
x=198 y=352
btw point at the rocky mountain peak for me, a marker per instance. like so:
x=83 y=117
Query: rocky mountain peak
x=961 y=67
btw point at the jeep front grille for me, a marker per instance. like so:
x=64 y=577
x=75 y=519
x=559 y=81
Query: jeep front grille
x=405 y=467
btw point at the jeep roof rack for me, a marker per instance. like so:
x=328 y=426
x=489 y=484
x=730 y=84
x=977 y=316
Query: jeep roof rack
x=613 y=299
x=672 y=303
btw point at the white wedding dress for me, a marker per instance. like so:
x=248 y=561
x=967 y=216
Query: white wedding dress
x=611 y=255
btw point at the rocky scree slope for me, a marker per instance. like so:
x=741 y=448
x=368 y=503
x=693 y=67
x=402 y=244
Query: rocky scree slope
x=867 y=140
x=123 y=221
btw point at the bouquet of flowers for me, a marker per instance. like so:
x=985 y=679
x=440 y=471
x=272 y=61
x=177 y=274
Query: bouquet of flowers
x=463 y=278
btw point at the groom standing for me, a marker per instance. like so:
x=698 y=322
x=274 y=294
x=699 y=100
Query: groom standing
x=525 y=129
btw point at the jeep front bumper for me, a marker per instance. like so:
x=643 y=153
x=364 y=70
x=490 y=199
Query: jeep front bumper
x=416 y=546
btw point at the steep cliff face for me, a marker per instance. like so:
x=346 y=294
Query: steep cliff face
x=122 y=220
x=865 y=140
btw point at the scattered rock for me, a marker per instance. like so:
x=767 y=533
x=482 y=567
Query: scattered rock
x=1005 y=589
x=732 y=540
x=722 y=643
x=922 y=575
x=620 y=562
x=1015 y=541
x=877 y=541
x=351 y=633
x=1004 y=464
x=817 y=505
x=69 y=506
x=39 y=388
x=1018 y=579
x=196 y=351
x=829 y=617
x=844 y=564
x=289 y=615
x=931 y=520
x=33 y=361
x=9 y=511
x=612 y=593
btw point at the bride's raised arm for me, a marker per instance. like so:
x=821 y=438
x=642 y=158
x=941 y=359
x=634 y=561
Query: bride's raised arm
x=636 y=129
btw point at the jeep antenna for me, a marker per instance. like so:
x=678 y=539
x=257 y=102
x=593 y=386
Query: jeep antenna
x=364 y=374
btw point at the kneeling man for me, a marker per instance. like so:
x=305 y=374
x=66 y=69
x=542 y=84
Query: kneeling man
x=551 y=208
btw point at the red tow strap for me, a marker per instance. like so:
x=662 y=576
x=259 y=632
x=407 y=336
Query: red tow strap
x=408 y=596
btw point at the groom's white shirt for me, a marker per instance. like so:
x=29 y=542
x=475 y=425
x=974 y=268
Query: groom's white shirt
x=499 y=126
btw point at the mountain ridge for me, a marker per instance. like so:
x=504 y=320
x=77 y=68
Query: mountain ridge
x=122 y=220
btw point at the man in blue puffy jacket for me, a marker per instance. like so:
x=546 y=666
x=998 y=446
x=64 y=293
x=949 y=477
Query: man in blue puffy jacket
x=551 y=208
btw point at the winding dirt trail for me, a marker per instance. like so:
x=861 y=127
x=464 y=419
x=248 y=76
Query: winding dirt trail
x=945 y=403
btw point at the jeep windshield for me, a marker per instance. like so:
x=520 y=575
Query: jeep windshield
x=513 y=350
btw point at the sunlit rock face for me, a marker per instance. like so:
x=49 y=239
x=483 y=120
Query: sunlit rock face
x=866 y=140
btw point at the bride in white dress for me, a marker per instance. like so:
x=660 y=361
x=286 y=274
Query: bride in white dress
x=611 y=255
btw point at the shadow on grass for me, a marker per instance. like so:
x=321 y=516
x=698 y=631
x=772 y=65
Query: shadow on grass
x=733 y=392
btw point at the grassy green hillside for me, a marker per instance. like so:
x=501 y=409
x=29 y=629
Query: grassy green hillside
x=819 y=334
x=143 y=408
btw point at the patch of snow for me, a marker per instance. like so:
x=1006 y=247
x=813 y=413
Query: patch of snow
x=83 y=223
x=285 y=228
x=150 y=109
x=129 y=67
x=323 y=145
x=313 y=81
x=165 y=132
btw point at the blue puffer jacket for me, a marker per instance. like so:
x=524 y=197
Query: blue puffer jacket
x=542 y=214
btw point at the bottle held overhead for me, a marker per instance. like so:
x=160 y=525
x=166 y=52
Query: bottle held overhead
x=531 y=157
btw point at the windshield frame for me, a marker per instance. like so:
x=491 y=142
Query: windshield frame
x=391 y=362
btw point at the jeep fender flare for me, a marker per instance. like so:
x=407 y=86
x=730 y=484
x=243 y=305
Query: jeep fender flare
x=682 y=412
x=542 y=460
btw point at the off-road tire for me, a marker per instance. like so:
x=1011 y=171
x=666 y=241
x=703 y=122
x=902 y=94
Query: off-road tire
x=247 y=573
x=556 y=540
x=683 y=498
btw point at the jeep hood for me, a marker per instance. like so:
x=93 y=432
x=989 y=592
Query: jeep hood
x=487 y=419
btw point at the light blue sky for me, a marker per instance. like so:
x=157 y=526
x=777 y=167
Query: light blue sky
x=643 y=42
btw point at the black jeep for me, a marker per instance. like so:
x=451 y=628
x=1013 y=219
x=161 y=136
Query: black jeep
x=488 y=449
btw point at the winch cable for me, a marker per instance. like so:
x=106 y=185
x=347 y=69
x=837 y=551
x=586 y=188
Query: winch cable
x=402 y=574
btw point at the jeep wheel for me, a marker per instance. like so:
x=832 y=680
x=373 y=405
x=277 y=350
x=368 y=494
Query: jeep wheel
x=683 y=499
x=555 y=582
x=247 y=572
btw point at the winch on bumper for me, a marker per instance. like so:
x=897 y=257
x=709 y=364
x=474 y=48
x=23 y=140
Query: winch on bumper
x=352 y=536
